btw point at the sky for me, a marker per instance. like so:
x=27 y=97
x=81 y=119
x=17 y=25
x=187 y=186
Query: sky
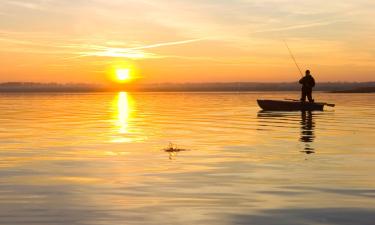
x=186 y=40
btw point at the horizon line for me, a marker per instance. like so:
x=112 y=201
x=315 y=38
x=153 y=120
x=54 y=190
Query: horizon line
x=171 y=82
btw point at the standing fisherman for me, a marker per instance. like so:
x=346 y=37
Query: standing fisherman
x=308 y=83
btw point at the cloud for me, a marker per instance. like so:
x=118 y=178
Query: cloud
x=134 y=52
x=170 y=43
x=44 y=43
x=299 y=26
x=24 y=4
x=119 y=53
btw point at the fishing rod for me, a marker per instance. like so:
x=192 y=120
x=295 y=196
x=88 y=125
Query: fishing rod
x=294 y=59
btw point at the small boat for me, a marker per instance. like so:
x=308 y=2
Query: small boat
x=291 y=105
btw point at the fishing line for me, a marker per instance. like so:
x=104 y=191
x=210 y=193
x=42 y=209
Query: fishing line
x=294 y=59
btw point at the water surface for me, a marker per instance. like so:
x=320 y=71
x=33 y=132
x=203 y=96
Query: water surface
x=98 y=158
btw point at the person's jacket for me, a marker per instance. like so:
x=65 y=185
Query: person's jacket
x=307 y=82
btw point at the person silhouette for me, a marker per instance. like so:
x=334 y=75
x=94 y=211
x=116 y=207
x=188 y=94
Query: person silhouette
x=308 y=82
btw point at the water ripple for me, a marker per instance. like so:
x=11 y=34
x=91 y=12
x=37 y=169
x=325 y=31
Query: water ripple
x=98 y=158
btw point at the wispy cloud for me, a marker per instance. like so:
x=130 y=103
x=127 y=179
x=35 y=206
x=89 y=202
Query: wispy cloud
x=299 y=26
x=24 y=4
x=82 y=48
x=119 y=53
x=170 y=43
x=133 y=52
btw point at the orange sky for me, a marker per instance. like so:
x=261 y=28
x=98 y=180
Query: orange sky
x=186 y=40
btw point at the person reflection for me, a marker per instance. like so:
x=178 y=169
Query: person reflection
x=307 y=131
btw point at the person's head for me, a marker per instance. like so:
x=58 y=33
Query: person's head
x=307 y=72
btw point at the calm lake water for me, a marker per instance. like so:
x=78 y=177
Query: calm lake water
x=98 y=158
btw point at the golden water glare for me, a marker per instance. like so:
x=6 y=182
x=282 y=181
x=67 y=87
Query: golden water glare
x=123 y=112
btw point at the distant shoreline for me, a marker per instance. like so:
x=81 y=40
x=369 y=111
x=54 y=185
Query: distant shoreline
x=332 y=87
x=357 y=90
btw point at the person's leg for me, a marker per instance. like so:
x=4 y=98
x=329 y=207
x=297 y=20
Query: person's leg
x=303 y=95
x=309 y=96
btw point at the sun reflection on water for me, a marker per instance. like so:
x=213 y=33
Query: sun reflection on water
x=123 y=113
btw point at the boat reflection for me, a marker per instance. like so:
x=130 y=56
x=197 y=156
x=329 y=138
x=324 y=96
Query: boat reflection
x=282 y=120
x=307 y=131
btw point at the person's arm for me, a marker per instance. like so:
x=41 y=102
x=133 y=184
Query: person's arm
x=301 y=80
x=312 y=82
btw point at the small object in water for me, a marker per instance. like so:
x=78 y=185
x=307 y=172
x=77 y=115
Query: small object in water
x=308 y=152
x=173 y=148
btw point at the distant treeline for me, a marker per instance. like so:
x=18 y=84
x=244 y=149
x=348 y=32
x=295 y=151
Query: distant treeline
x=251 y=86
x=233 y=86
x=366 y=89
x=48 y=87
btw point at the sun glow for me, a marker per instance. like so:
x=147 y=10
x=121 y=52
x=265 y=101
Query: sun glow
x=123 y=75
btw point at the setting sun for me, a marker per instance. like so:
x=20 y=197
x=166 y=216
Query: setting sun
x=123 y=75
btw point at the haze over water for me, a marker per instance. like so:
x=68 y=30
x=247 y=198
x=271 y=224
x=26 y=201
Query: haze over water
x=98 y=158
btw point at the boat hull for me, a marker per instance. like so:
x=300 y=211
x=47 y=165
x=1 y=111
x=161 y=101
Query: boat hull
x=276 y=105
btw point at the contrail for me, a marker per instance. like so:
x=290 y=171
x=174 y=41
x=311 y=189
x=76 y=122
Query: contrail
x=295 y=27
x=132 y=52
x=167 y=44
